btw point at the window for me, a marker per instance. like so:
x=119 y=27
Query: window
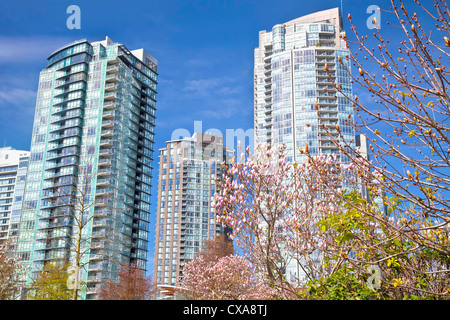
x=91 y=131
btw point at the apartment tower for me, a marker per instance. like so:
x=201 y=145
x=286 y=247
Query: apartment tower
x=295 y=66
x=13 y=171
x=188 y=171
x=92 y=143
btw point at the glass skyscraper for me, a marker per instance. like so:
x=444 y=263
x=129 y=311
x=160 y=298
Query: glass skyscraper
x=296 y=69
x=188 y=171
x=290 y=77
x=92 y=142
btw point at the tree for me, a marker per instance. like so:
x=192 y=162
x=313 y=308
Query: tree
x=216 y=248
x=9 y=272
x=131 y=285
x=75 y=204
x=252 y=197
x=216 y=273
x=51 y=283
x=229 y=277
x=345 y=284
x=406 y=124
x=330 y=228
x=273 y=208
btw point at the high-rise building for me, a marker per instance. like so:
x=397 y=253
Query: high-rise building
x=363 y=151
x=188 y=171
x=92 y=142
x=13 y=171
x=295 y=66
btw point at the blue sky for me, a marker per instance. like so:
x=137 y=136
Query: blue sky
x=204 y=49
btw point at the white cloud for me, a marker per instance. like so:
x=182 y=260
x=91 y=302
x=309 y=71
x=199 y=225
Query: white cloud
x=217 y=98
x=27 y=49
x=225 y=108
x=212 y=86
x=16 y=96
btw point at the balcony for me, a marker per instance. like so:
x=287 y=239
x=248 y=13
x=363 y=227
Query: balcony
x=101 y=202
x=105 y=152
x=106 y=142
x=326 y=101
x=325 y=75
x=109 y=105
x=324 y=52
x=112 y=69
x=99 y=234
x=104 y=162
x=326 y=87
x=95 y=257
x=61 y=109
x=109 y=114
x=103 y=182
x=102 y=214
x=104 y=172
x=325 y=60
x=98 y=223
x=57 y=146
x=111 y=78
x=107 y=123
x=55 y=137
x=54 y=128
x=325 y=94
x=61 y=164
x=107 y=133
x=66 y=117
x=328 y=115
x=110 y=96
x=93 y=267
x=325 y=81
x=111 y=86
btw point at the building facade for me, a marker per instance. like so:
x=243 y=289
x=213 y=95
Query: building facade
x=188 y=171
x=295 y=66
x=91 y=161
x=13 y=171
x=363 y=151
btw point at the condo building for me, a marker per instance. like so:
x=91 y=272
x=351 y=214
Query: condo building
x=363 y=151
x=90 y=161
x=188 y=171
x=13 y=171
x=295 y=66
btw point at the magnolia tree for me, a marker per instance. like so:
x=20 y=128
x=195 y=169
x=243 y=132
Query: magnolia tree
x=230 y=277
x=251 y=200
x=217 y=273
x=274 y=208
